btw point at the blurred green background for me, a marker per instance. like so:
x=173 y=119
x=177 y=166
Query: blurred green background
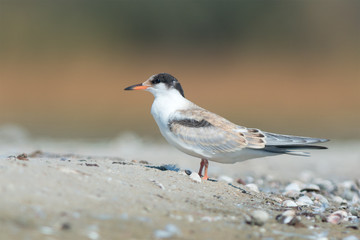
x=283 y=66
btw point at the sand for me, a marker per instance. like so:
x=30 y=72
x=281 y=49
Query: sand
x=120 y=189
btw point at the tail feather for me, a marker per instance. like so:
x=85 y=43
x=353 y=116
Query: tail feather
x=286 y=151
x=300 y=146
x=273 y=139
x=287 y=144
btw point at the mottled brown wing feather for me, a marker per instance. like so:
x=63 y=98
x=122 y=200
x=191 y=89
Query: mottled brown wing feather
x=210 y=132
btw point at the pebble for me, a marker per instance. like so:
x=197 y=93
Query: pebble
x=211 y=219
x=292 y=194
x=46 y=230
x=354 y=212
x=293 y=187
x=318 y=198
x=289 y=203
x=350 y=185
x=170 y=231
x=351 y=237
x=225 y=179
x=276 y=199
x=304 y=201
x=349 y=195
x=325 y=185
x=252 y=187
x=339 y=200
x=160 y=185
x=286 y=217
x=337 y=217
x=195 y=177
x=93 y=232
x=259 y=217
x=310 y=188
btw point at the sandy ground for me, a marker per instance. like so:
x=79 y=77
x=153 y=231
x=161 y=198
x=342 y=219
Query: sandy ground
x=120 y=189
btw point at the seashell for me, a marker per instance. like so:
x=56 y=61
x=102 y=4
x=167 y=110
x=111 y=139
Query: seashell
x=252 y=187
x=195 y=177
x=304 y=201
x=286 y=217
x=292 y=187
x=310 y=188
x=337 y=217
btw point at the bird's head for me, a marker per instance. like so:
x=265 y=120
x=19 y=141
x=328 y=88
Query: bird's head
x=159 y=84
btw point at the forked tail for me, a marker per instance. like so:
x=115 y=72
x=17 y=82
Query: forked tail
x=287 y=144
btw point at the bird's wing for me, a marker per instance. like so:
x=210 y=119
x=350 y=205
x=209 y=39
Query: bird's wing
x=202 y=129
x=273 y=139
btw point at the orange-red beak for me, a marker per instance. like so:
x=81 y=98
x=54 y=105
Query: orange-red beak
x=139 y=86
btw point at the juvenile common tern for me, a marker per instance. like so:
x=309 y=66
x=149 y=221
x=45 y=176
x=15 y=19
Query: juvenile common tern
x=206 y=135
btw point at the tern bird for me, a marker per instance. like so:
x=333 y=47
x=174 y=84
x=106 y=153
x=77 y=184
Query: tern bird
x=206 y=135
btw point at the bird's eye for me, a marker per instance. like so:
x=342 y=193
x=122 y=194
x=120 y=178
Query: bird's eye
x=156 y=81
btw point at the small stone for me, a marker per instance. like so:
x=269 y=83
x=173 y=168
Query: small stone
x=276 y=199
x=211 y=219
x=160 y=185
x=252 y=187
x=318 y=198
x=93 y=232
x=348 y=185
x=292 y=194
x=337 y=217
x=304 y=201
x=325 y=185
x=240 y=181
x=46 y=230
x=289 y=203
x=339 y=200
x=356 y=199
x=320 y=218
x=66 y=226
x=188 y=172
x=225 y=179
x=351 y=237
x=23 y=157
x=286 y=217
x=348 y=195
x=353 y=227
x=310 y=188
x=195 y=177
x=354 y=212
x=259 y=217
x=292 y=187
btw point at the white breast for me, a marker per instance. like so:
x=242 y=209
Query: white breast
x=162 y=108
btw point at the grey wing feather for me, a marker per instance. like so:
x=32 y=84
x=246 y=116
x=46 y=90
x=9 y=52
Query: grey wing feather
x=273 y=139
x=210 y=132
x=278 y=143
x=208 y=138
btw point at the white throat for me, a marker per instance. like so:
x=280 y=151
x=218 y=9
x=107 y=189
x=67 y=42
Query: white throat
x=165 y=103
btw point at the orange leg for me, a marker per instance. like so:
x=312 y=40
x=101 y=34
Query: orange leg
x=204 y=162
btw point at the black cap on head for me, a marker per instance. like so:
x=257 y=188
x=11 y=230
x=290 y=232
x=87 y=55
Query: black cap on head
x=168 y=80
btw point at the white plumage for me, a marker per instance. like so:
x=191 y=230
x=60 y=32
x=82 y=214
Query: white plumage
x=209 y=136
